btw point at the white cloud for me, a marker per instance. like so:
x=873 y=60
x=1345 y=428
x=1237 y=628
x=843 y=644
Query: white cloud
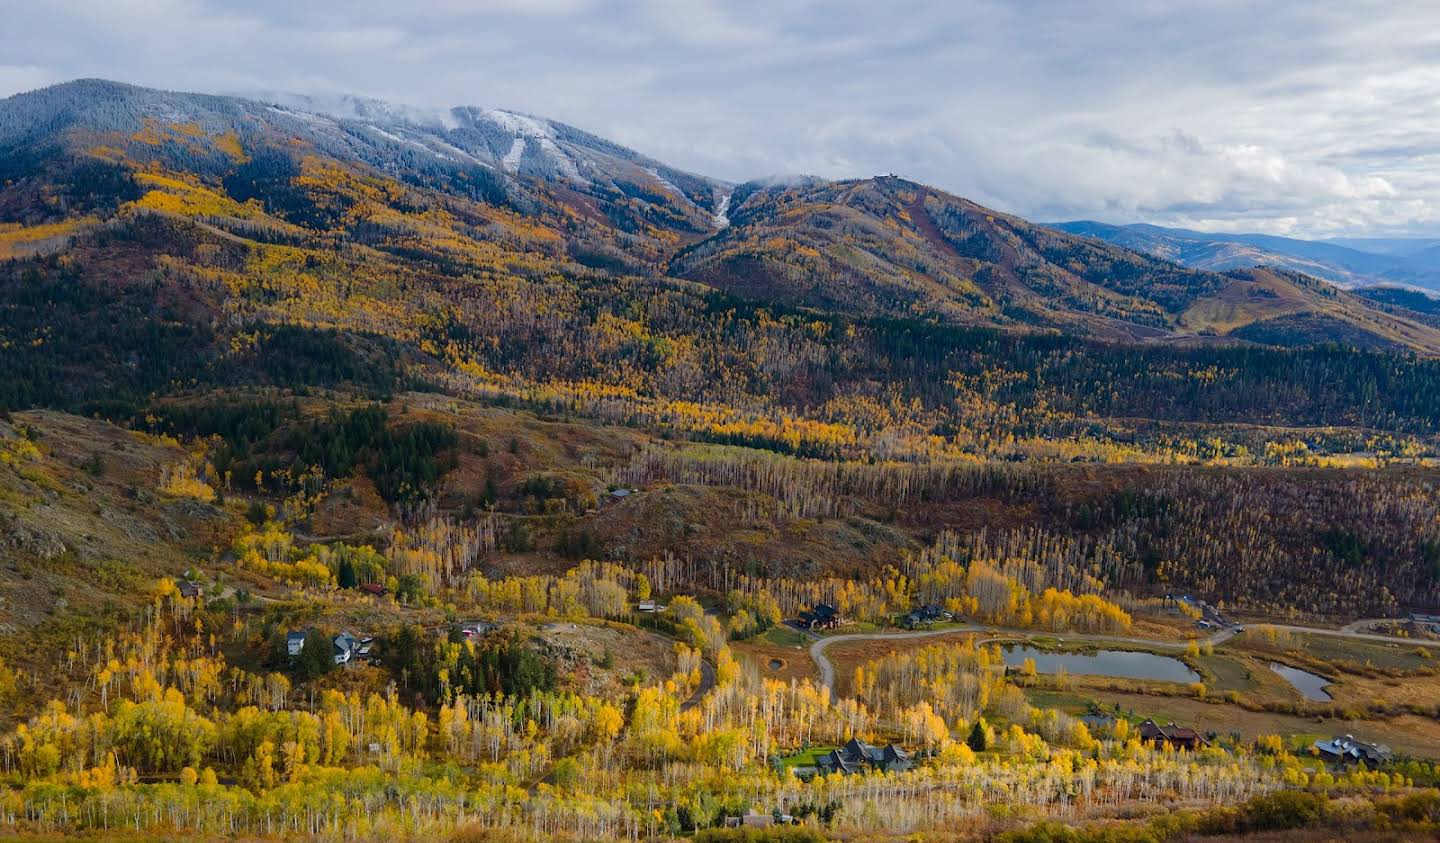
x=1311 y=119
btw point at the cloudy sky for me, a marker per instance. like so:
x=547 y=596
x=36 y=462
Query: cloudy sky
x=1302 y=117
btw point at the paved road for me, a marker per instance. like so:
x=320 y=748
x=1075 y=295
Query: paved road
x=827 y=670
x=707 y=684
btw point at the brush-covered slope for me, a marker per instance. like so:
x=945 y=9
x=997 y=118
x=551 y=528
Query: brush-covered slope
x=87 y=148
x=152 y=243
x=891 y=247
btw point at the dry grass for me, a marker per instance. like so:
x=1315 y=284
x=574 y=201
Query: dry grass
x=794 y=662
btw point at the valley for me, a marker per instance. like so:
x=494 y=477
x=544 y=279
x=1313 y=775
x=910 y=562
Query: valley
x=459 y=474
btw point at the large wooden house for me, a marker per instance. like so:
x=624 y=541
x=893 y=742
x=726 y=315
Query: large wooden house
x=823 y=616
x=1179 y=737
x=858 y=756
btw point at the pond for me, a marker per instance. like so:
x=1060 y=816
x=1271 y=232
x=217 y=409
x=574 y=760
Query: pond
x=1117 y=663
x=1310 y=686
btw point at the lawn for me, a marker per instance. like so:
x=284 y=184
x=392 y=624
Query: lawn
x=806 y=758
x=1224 y=673
x=1334 y=649
x=781 y=636
x=1067 y=701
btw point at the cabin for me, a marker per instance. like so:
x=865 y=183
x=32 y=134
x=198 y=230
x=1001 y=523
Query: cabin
x=925 y=615
x=1347 y=750
x=188 y=588
x=648 y=606
x=1178 y=737
x=374 y=589
x=477 y=629
x=755 y=819
x=822 y=616
x=294 y=643
x=858 y=756
x=347 y=646
x=1097 y=721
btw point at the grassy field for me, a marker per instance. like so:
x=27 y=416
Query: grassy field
x=1224 y=673
x=1400 y=655
x=806 y=758
x=781 y=636
x=1406 y=734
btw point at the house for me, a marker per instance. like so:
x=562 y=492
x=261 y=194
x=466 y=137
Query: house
x=1347 y=750
x=347 y=646
x=621 y=493
x=294 y=643
x=925 y=615
x=823 y=616
x=188 y=588
x=1098 y=721
x=755 y=819
x=645 y=606
x=858 y=756
x=373 y=588
x=1179 y=737
x=476 y=629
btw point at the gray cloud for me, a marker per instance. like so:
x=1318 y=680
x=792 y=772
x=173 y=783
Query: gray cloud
x=1310 y=119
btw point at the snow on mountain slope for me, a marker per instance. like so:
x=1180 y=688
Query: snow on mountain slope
x=517 y=143
x=518 y=153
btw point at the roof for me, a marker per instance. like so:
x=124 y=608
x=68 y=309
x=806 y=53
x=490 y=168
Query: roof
x=295 y=635
x=1349 y=747
x=1150 y=730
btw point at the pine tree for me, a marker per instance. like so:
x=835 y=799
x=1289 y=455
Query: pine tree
x=317 y=657
x=977 y=740
x=346 y=575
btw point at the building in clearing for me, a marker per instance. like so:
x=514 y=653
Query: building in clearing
x=1179 y=737
x=858 y=756
x=1348 y=750
x=823 y=616
x=347 y=646
x=295 y=643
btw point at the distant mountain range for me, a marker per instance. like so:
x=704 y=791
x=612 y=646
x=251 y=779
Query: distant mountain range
x=1348 y=262
x=404 y=211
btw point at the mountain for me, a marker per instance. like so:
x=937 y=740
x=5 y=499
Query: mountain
x=891 y=247
x=153 y=241
x=1400 y=247
x=1348 y=263
x=527 y=165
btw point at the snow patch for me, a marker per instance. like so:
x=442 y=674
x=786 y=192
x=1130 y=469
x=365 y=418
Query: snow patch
x=511 y=161
x=722 y=209
x=519 y=124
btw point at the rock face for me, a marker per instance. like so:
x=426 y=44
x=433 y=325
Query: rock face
x=33 y=540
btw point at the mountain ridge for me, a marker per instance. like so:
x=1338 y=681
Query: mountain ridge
x=1342 y=262
x=488 y=193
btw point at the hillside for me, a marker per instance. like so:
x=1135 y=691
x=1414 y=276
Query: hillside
x=891 y=247
x=246 y=246
x=1348 y=263
x=376 y=473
